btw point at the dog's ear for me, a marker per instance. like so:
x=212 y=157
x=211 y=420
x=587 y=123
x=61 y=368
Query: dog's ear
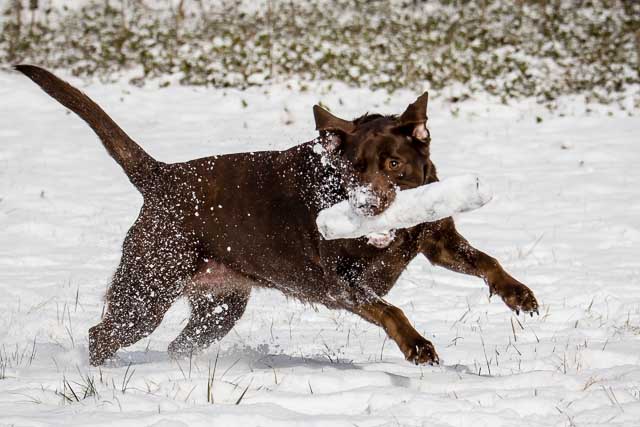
x=327 y=122
x=414 y=118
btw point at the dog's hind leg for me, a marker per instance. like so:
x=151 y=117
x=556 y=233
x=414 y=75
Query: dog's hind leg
x=212 y=317
x=218 y=298
x=156 y=262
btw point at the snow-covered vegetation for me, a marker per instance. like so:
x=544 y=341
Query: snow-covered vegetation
x=541 y=48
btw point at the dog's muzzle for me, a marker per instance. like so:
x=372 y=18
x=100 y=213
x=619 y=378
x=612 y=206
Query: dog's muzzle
x=366 y=201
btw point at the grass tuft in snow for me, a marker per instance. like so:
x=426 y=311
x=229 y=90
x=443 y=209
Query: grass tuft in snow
x=16 y=357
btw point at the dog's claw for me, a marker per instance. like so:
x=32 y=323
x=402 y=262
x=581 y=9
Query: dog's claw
x=422 y=352
x=518 y=297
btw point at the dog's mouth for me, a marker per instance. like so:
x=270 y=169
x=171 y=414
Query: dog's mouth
x=366 y=201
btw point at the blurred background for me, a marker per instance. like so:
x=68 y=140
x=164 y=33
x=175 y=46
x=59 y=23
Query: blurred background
x=509 y=49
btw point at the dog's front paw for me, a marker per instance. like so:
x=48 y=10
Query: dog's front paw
x=420 y=351
x=517 y=296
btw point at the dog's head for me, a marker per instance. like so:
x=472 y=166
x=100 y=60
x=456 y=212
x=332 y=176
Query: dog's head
x=384 y=153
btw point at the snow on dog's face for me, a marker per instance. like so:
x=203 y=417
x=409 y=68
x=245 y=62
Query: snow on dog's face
x=384 y=153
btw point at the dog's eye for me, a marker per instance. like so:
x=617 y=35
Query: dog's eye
x=393 y=164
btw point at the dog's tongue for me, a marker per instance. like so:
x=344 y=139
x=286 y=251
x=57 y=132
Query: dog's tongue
x=381 y=240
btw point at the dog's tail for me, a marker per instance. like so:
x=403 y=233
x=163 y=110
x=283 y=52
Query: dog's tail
x=139 y=166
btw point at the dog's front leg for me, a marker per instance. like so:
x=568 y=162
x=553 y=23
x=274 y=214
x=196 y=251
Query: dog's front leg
x=414 y=346
x=444 y=246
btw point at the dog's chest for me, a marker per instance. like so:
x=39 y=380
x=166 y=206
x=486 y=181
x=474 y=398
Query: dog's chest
x=360 y=263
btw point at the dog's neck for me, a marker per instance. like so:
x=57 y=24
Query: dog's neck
x=321 y=175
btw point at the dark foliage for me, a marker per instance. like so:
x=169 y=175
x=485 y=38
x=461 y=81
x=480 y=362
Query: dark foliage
x=510 y=49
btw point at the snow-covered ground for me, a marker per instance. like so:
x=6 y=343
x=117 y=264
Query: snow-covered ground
x=565 y=220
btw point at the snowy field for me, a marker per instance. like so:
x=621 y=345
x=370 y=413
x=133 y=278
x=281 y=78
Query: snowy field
x=565 y=220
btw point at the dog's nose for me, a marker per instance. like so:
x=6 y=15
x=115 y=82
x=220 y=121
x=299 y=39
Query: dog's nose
x=384 y=201
x=369 y=210
x=365 y=200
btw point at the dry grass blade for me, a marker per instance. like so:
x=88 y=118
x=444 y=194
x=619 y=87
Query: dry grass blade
x=244 y=392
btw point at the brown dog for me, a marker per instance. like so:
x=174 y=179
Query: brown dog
x=213 y=228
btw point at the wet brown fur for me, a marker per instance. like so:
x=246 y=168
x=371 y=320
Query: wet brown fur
x=213 y=228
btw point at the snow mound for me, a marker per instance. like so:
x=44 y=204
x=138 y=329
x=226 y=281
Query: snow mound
x=426 y=203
